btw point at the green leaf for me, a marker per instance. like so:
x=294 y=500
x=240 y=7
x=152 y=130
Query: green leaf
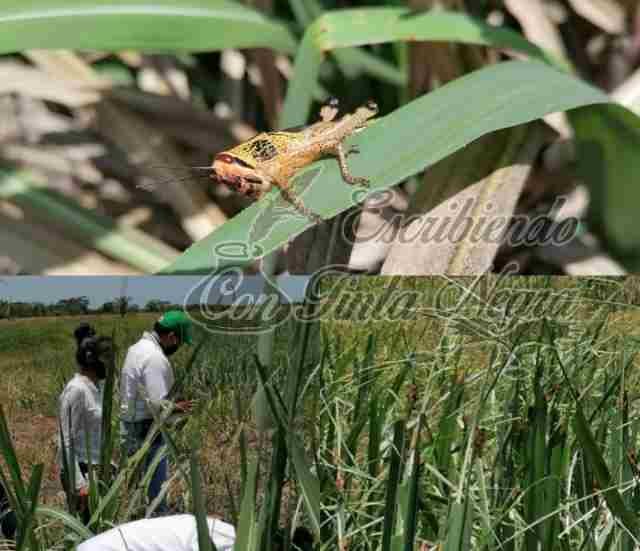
x=602 y=474
x=247 y=527
x=69 y=522
x=394 y=148
x=309 y=486
x=607 y=151
x=149 y=25
x=199 y=505
x=352 y=61
x=411 y=520
x=358 y=27
x=456 y=523
x=26 y=533
x=395 y=475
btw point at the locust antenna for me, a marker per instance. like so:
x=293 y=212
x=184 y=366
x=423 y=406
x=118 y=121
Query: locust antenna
x=150 y=186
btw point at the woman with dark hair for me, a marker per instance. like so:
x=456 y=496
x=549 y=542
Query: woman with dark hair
x=7 y=516
x=80 y=417
x=83 y=331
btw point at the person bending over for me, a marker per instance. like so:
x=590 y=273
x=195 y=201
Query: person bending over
x=177 y=533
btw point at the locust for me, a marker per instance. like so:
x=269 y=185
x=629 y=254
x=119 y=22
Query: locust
x=273 y=158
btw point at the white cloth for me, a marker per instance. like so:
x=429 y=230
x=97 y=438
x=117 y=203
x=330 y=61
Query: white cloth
x=80 y=417
x=146 y=374
x=170 y=533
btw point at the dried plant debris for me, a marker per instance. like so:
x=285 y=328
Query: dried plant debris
x=93 y=143
x=120 y=134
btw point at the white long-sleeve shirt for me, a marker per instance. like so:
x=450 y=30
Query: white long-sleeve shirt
x=170 y=533
x=80 y=417
x=146 y=374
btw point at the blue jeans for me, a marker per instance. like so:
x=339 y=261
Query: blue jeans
x=133 y=435
x=159 y=476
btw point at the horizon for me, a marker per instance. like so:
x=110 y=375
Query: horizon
x=142 y=289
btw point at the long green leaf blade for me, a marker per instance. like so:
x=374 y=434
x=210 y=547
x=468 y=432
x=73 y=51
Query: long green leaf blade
x=602 y=475
x=358 y=27
x=199 y=507
x=247 y=527
x=150 y=25
x=429 y=128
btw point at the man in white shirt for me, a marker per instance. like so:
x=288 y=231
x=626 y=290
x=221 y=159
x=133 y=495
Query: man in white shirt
x=145 y=382
x=169 y=533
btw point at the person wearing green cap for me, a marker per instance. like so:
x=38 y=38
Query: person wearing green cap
x=145 y=382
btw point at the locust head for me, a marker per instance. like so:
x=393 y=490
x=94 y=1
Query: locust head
x=235 y=172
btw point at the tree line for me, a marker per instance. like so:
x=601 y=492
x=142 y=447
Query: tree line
x=80 y=306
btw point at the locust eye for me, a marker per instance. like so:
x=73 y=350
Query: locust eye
x=225 y=158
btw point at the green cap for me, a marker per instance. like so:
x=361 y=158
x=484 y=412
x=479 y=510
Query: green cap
x=178 y=322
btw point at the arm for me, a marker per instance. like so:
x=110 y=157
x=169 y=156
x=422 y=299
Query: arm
x=157 y=379
x=72 y=411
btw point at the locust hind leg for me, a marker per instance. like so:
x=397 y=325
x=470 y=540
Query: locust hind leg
x=339 y=152
x=261 y=184
x=294 y=200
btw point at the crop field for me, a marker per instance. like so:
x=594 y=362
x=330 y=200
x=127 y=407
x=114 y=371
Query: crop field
x=494 y=415
x=38 y=358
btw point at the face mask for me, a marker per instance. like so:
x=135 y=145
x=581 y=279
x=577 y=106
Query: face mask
x=170 y=350
x=101 y=370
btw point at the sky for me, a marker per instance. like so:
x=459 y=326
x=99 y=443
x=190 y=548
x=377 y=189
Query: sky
x=101 y=289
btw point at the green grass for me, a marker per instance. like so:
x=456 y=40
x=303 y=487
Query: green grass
x=469 y=432
x=505 y=421
x=39 y=359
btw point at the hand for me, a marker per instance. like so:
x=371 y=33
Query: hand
x=184 y=406
x=83 y=498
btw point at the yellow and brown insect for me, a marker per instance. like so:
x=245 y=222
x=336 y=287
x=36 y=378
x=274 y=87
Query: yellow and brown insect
x=273 y=158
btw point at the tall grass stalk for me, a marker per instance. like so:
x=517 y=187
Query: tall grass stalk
x=522 y=431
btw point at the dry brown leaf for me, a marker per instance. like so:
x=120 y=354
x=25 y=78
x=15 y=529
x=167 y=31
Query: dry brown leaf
x=38 y=250
x=175 y=111
x=233 y=67
x=609 y=15
x=486 y=207
x=54 y=159
x=580 y=257
x=381 y=216
x=22 y=79
x=160 y=74
x=151 y=153
x=144 y=144
x=271 y=90
x=539 y=29
x=67 y=65
x=28 y=119
x=432 y=64
x=628 y=93
x=308 y=251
